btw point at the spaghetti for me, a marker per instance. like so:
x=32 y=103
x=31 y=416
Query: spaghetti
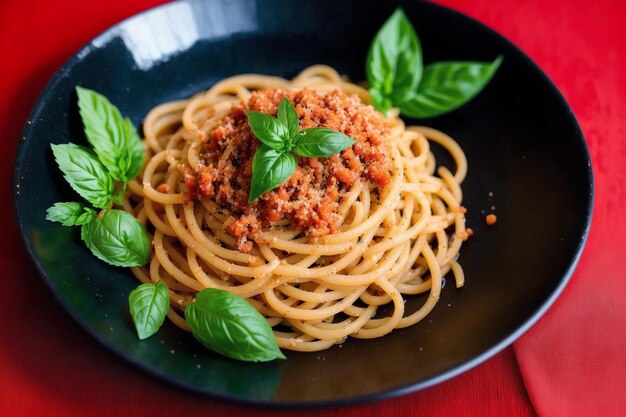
x=389 y=239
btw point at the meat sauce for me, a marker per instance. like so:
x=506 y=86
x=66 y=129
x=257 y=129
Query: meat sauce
x=310 y=198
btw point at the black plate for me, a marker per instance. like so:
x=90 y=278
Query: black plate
x=522 y=142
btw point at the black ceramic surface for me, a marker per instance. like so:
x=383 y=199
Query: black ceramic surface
x=522 y=143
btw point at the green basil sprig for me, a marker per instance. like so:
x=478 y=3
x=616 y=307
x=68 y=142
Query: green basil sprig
x=114 y=139
x=114 y=236
x=397 y=77
x=70 y=214
x=274 y=161
x=230 y=326
x=148 y=307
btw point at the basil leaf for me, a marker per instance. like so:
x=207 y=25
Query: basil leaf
x=289 y=116
x=117 y=238
x=85 y=173
x=394 y=61
x=318 y=142
x=113 y=138
x=148 y=307
x=70 y=214
x=229 y=325
x=270 y=168
x=268 y=129
x=446 y=86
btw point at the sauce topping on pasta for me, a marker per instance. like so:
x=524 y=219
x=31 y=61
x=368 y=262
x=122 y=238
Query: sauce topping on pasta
x=309 y=200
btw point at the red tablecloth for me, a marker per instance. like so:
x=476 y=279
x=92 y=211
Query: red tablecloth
x=571 y=363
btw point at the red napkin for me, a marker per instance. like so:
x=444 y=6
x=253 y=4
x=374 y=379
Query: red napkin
x=574 y=361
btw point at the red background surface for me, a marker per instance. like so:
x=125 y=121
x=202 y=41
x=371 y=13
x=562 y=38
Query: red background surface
x=572 y=363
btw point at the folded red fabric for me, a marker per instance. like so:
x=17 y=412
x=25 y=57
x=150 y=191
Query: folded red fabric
x=573 y=361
